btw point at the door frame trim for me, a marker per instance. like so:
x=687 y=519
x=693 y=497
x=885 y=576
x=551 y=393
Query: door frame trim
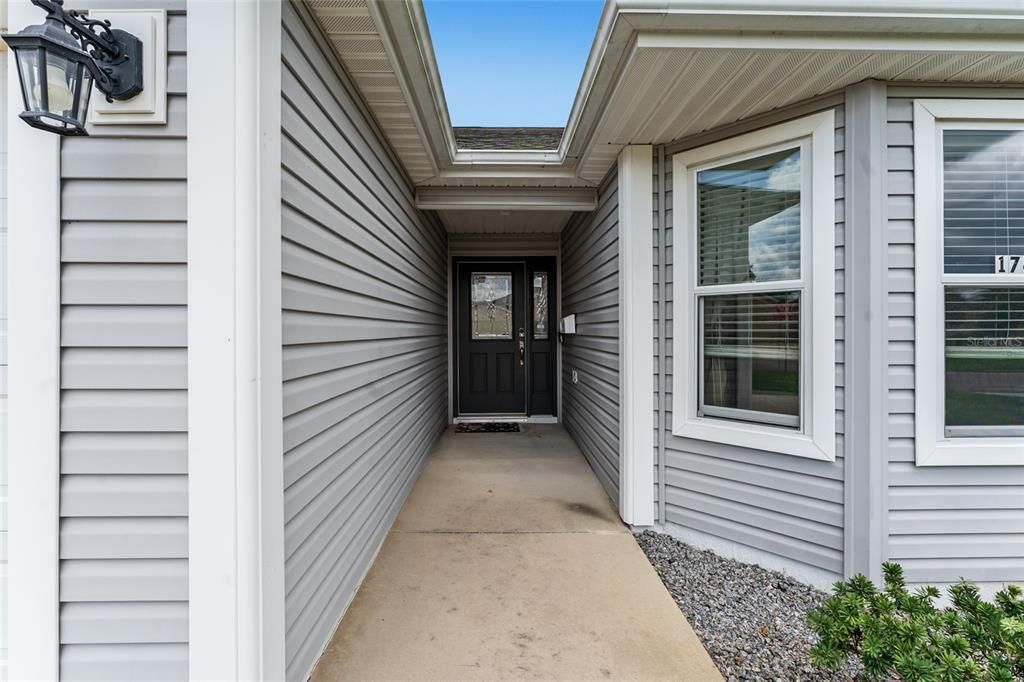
x=484 y=255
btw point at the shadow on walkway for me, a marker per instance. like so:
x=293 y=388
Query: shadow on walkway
x=509 y=561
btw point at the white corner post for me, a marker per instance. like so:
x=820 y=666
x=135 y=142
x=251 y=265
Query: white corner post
x=33 y=445
x=236 y=520
x=636 y=335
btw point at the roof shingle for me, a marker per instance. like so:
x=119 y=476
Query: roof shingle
x=481 y=138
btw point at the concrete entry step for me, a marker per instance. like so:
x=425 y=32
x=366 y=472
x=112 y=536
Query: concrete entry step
x=508 y=561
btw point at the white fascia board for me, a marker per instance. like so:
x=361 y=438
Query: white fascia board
x=542 y=175
x=823 y=8
x=507 y=157
x=387 y=37
x=941 y=43
x=506 y=199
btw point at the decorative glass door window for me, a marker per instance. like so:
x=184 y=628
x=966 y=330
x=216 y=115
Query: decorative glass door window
x=540 y=305
x=983 y=304
x=491 y=302
x=749 y=287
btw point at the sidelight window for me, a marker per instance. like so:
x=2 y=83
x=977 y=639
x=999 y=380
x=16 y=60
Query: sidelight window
x=540 y=305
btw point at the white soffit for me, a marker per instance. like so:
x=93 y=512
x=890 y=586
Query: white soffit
x=675 y=86
x=662 y=70
x=358 y=43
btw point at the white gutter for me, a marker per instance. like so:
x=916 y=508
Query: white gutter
x=823 y=7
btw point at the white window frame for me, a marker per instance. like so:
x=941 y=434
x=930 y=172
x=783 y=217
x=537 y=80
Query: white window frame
x=932 y=446
x=815 y=439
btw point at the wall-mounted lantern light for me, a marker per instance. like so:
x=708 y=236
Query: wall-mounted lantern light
x=60 y=59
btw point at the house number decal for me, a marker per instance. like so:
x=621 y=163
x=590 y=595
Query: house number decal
x=1010 y=265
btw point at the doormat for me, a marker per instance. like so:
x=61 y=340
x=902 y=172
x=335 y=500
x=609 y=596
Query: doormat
x=487 y=427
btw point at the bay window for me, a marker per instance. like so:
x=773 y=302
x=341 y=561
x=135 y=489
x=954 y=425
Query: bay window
x=754 y=290
x=969 y=272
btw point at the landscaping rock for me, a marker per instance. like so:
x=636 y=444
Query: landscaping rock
x=751 y=620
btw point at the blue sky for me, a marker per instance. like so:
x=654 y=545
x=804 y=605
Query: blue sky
x=511 y=62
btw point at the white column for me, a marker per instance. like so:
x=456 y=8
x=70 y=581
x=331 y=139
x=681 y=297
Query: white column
x=33 y=275
x=236 y=556
x=636 y=335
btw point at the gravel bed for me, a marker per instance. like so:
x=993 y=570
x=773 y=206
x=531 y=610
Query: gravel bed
x=751 y=620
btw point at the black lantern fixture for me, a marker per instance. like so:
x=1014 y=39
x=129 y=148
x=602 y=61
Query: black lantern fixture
x=60 y=59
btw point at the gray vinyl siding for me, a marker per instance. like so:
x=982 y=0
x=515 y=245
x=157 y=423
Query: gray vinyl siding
x=944 y=522
x=784 y=505
x=123 y=404
x=590 y=289
x=364 y=334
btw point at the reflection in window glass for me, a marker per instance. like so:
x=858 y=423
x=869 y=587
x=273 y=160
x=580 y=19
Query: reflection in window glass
x=491 y=305
x=984 y=361
x=983 y=198
x=751 y=356
x=749 y=220
x=540 y=305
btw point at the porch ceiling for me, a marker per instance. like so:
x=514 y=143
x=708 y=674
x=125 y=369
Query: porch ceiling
x=662 y=70
x=505 y=222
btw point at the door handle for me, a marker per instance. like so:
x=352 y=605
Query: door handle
x=522 y=347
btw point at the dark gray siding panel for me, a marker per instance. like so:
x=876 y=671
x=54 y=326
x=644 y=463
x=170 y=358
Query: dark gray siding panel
x=124 y=456
x=365 y=338
x=944 y=522
x=590 y=289
x=788 y=506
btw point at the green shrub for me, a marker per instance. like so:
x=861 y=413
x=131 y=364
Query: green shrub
x=896 y=632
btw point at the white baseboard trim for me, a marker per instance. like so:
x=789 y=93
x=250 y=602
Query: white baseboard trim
x=811 y=575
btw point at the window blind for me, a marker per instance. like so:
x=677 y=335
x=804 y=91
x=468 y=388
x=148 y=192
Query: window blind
x=983 y=198
x=751 y=351
x=749 y=220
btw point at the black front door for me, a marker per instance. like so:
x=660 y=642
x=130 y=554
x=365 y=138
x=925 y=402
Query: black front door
x=505 y=339
x=492 y=338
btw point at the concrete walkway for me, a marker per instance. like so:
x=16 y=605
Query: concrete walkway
x=508 y=561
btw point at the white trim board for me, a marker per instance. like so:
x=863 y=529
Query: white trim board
x=236 y=526
x=636 y=334
x=816 y=438
x=504 y=199
x=932 y=447
x=33 y=384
